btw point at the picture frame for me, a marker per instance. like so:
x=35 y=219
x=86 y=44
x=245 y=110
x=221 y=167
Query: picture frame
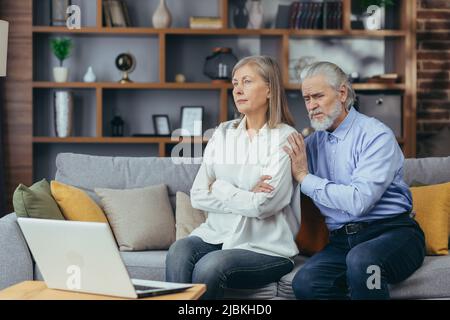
x=161 y=124
x=192 y=120
x=116 y=14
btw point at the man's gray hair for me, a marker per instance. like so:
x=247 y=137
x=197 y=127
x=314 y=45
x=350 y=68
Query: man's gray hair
x=334 y=75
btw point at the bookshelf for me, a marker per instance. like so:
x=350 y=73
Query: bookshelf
x=161 y=53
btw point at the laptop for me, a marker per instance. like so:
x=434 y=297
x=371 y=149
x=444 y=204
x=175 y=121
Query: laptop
x=83 y=257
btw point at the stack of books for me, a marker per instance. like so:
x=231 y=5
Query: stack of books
x=205 y=23
x=384 y=78
x=315 y=15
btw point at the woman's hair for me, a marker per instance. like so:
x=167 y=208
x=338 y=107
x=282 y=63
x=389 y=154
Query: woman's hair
x=334 y=75
x=278 y=110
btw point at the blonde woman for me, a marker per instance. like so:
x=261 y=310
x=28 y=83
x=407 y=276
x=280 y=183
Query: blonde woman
x=246 y=186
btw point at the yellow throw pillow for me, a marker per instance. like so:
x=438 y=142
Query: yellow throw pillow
x=432 y=207
x=75 y=204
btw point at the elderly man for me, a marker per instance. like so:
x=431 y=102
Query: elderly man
x=352 y=169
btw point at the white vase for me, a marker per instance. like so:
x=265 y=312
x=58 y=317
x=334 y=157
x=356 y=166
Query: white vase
x=60 y=74
x=162 y=18
x=63 y=114
x=255 y=15
x=90 y=75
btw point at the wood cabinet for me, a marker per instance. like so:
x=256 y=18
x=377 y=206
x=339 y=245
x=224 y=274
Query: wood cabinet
x=162 y=53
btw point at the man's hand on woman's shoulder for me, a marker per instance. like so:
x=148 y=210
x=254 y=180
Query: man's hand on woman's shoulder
x=297 y=153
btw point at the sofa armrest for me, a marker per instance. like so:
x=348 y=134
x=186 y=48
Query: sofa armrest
x=16 y=264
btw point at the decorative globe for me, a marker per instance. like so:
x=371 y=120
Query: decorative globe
x=124 y=62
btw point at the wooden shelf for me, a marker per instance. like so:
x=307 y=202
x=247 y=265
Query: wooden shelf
x=148 y=140
x=135 y=85
x=361 y=86
x=403 y=43
x=231 y=32
x=191 y=86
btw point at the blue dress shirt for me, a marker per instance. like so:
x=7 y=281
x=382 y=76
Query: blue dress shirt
x=356 y=172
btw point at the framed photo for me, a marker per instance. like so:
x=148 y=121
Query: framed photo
x=161 y=124
x=191 y=120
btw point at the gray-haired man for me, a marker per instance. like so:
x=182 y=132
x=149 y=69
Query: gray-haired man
x=352 y=168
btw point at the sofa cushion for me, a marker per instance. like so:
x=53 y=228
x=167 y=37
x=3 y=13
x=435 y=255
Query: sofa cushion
x=75 y=204
x=427 y=171
x=147 y=265
x=313 y=234
x=187 y=218
x=88 y=172
x=430 y=281
x=36 y=202
x=266 y=292
x=285 y=284
x=141 y=218
x=432 y=207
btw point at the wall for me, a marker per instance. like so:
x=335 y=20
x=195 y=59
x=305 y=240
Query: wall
x=17 y=94
x=433 y=78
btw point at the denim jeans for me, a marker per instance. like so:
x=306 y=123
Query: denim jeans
x=191 y=260
x=348 y=267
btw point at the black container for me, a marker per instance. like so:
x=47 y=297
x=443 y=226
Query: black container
x=219 y=65
x=117 y=126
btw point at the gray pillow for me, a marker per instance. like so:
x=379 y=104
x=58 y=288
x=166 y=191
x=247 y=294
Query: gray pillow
x=141 y=219
x=187 y=218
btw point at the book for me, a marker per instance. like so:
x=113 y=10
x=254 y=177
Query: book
x=125 y=12
x=205 y=23
x=283 y=17
x=106 y=15
x=293 y=11
x=116 y=12
x=205 y=26
x=204 y=19
x=384 y=78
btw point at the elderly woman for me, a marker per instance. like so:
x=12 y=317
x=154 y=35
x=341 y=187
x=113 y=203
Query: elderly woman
x=245 y=184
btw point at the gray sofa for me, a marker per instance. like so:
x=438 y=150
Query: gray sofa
x=432 y=280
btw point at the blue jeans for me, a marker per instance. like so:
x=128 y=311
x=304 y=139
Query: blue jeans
x=191 y=260
x=360 y=266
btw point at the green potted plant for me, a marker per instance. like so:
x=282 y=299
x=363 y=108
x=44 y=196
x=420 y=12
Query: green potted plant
x=61 y=48
x=374 y=13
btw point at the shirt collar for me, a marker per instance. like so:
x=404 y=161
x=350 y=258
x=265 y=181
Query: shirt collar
x=344 y=127
x=243 y=127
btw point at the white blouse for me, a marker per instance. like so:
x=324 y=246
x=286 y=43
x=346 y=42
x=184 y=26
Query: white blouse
x=237 y=217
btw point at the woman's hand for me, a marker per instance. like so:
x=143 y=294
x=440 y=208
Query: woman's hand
x=262 y=186
x=297 y=152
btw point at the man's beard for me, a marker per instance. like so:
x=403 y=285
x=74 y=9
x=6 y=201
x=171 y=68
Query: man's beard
x=328 y=120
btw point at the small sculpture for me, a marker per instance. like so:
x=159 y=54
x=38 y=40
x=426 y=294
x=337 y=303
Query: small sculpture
x=89 y=75
x=180 y=78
